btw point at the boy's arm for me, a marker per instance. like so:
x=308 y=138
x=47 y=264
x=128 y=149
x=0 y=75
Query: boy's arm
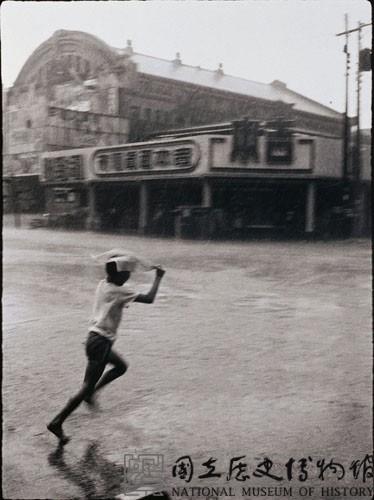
x=150 y=296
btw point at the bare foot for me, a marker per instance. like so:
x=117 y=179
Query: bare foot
x=56 y=429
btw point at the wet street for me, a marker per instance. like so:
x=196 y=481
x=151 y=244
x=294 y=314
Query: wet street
x=254 y=349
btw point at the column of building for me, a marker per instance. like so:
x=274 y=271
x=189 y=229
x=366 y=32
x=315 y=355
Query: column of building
x=93 y=221
x=207 y=202
x=143 y=207
x=310 y=207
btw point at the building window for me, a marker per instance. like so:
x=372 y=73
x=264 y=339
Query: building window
x=28 y=123
x=60 y=196
x=64 y=195
x=279 y=151
x=279 y=147
x=71 y=196
x=245 y=139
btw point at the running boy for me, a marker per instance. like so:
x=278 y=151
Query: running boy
x=112 y=295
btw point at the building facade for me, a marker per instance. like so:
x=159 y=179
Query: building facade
x=228 y=180
x=75 y=91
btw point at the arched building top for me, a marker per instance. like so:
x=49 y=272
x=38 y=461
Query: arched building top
x=66 y=50
x=76 y=55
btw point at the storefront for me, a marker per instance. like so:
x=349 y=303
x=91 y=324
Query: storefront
x=276 y=180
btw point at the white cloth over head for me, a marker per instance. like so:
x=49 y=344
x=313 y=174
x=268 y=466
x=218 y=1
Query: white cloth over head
x=125 y=261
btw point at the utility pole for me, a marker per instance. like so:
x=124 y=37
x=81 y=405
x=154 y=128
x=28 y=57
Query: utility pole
x=358 y=139
x=346 y=119
x=355 y=192
x=357 y=196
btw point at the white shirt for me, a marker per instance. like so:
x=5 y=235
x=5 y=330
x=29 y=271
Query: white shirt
x=110 y=299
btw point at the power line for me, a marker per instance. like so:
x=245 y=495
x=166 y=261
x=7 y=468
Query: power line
x=354 y=29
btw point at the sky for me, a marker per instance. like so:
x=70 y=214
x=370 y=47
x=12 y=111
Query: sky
x=262 y=40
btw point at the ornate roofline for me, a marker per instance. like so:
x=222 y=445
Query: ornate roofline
x=78 y=38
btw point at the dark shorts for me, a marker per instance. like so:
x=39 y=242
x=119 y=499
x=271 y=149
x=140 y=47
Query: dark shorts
x=98 y=348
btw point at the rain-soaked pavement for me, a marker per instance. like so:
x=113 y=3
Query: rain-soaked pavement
x=255 y=349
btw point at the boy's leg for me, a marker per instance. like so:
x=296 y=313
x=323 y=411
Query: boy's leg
x=93 y=373
x=120 y=367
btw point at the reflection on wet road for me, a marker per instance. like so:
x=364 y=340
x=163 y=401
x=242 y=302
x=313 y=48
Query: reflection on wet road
x=95 y=475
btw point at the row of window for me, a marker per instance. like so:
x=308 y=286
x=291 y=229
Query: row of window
x=165 y=118
x=145 y=159
x=159 y=116
x=79 y=116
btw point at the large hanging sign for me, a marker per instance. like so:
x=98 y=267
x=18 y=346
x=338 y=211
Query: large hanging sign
x=176 y=156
